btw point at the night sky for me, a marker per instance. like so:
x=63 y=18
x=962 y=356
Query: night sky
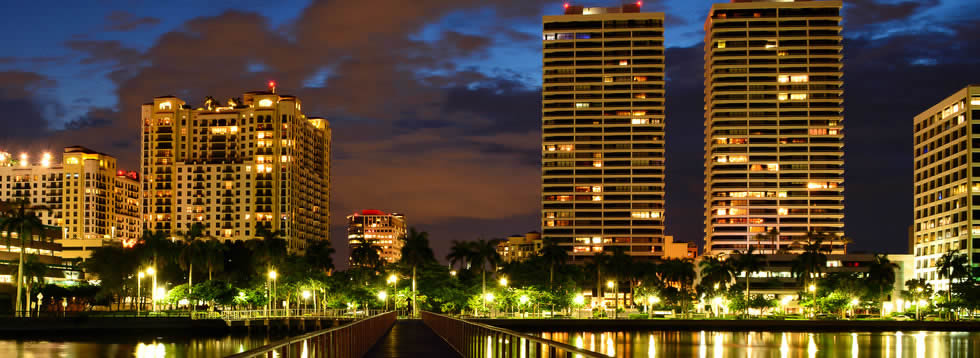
x=435 y=104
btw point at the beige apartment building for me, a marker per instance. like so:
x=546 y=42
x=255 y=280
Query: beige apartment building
x=83 y=192
x=947 y=183
x=774 y=136
x=379 y=229
x=603 y=130
x=517 y=248
x=235 y=166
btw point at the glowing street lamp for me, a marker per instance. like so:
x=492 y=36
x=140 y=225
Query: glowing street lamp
x=503 y=281
x=579 y=300
x=153 y=294
x=270 y=288
x=139 y=295
x=452 y=273
x=488 y=297
x=383 y=296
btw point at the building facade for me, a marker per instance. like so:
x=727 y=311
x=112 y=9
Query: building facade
x=946 y=183
x=774 y=137
x=519 y=247
x=254 y=162
x=603 y=130
x=82 y=192
x=379 y=229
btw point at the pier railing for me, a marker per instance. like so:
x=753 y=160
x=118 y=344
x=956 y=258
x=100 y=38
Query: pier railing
x=350 y=340
x=243 y=315
x=474 y=340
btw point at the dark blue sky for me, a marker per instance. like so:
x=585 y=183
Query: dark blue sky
x=435 y=103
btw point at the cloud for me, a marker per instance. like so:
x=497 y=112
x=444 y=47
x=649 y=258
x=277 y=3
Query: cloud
x=25 y=102
x=126 y=21
x=860 y=13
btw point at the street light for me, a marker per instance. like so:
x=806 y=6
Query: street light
x=306 y=297
x=153 y=294
x=139 y=295
x=918 y=291
x=383 y=296
x=270 y=289
x=813 y=290
x=452 y=273
x=503 y=281
x=579 y=300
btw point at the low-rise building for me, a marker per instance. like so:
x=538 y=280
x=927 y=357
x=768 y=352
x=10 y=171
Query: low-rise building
x=519 y=247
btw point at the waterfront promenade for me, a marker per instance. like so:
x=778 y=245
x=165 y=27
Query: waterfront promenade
x=411 y=338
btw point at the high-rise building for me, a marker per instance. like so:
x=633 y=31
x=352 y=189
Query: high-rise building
x=774 y=139
x=255 y=161
x=603 y=130
x=379 y=229
x=946 y=182
x=82 y=193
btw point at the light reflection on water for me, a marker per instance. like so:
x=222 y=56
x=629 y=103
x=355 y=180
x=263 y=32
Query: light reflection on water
x=775 y=344
x=123 y=347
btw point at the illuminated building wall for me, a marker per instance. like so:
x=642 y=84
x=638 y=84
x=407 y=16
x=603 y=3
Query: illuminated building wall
x=603 y=130
x=946 y=184
x=379 y=229
x=774 y=137
x=520 y=247
x=81 y=191
x=128 y=226
x=235 y=166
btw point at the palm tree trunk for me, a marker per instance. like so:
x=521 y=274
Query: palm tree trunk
x=484 y=294
x=190 y=285
x=415 y=304
x=20 y=277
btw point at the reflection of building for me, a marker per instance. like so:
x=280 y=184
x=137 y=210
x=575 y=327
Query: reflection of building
x=257 y=161
x=776 y=281
x=946 y=183
x=519 y=247
x=82 y=192
x=774 y=138
x=603 y=130
x=379 y=229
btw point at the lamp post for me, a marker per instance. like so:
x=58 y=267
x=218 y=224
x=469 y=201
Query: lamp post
x=611 y=285
x=64 y=307
x=813 y=305
x=503 y=282
x=489 y=298
x=383 y=296
x=40 y=300
x=918 y=301
x=139 y=296
x=393 y=281
x=272 y=277
x=153 y=294
x=306 y=298
x=579 y=301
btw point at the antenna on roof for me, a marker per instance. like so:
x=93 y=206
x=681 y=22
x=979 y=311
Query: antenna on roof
x=272 y=86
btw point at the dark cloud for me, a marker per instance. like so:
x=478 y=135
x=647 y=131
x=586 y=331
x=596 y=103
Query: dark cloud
x=24 y=102
x=859 y=13
x=97 y=118
x=125 y=21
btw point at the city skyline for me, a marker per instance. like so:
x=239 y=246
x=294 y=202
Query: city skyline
x=412 y=113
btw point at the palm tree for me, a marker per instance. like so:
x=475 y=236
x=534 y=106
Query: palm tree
x=812 y=260
x=952 y=265
x=747 y=262
x=319 y=256
x=270 y=247
x=34 y=271
x=20 y=217
x=716 y=272
x=366 y=255
x=192 y=252
x=484 y=253
x=214 y=256
x=600 y=262
x=554 y=256
x=459 y=253
x=771 y=236
x=621 y=267
x=881 y=275
x=416 y=252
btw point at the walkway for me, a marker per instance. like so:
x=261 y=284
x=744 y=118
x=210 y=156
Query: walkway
x=411 y=338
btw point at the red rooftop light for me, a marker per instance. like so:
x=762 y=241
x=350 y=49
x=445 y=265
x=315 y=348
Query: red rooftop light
x=565 y=5
x=639 y=3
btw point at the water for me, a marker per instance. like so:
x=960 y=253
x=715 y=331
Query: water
x=704 y=344
x=125 y=347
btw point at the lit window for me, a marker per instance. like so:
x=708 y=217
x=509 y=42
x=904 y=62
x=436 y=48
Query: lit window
x=265 y=103
x=581 y=105
x=797 y=96
x=597 y=198
x=975 y=101
x=721 y=44
x=833 y=263
x=597 y=163
x=738 y=158
x=783 y=78
x=566 y=147
x=165 y=106
x=782 y=96
x=799 y=78
x=782 y=211
x=781 y=194
x=641 y=121
x=818 y=131
x=596 y=189
x=640 y=78
x=771 y=44
x=607 y=79
x=772 y=167
x=623 y=62
x=722 y=212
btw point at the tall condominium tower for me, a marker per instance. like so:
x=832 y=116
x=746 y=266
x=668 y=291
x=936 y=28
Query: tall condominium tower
x=255 y=161
x=774 y=139
x=947 y=182
x=603 y=130
x=379 y=229
x=86 y=197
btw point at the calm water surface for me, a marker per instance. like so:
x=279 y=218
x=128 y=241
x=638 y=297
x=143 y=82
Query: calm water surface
x=924 y=344
x=159 y=347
